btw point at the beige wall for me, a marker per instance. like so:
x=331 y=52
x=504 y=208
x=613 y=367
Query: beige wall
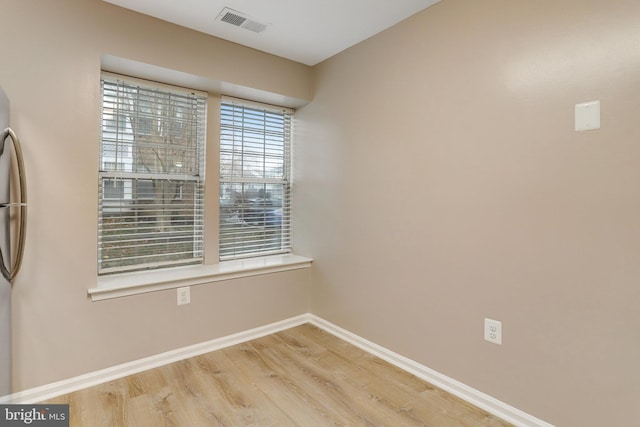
x=440 y=181
x=50 y=69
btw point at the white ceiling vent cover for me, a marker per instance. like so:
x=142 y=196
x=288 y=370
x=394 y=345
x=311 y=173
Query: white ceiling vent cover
x=241 y=20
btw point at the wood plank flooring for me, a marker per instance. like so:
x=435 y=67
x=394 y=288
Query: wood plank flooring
x=299 y=377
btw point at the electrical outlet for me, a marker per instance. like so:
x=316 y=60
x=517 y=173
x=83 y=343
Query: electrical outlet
x=493 y=331
x=184 y=295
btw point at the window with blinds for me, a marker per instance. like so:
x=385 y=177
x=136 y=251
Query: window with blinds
x=255 y=179
x=151 y=192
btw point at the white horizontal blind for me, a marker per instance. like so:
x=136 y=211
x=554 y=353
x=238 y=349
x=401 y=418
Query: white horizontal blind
x=255 y=179
x=151 y=195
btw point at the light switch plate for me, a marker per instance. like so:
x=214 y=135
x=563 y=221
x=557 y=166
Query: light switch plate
x=588 y=116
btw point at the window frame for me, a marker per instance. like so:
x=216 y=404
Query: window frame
x=212 y=270
x=253 y=223
x=185 y=234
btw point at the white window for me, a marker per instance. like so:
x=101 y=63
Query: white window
x=151 y=179
x=255 y=179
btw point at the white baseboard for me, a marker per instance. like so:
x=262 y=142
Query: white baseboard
x=49 y=391
x=475 y=397
x=456 y=388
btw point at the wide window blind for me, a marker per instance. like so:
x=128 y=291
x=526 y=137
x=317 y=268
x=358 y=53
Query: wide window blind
x=151 y=195
x=255 y=179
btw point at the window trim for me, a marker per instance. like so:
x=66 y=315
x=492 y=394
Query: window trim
x=140 y=282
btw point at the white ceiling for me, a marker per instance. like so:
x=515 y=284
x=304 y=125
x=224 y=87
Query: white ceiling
x=306 y=31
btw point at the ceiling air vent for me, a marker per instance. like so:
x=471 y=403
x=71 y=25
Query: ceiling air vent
x=241 y=20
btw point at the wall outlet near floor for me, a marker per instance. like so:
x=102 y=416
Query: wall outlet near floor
x=493 y=331
x=184 y=295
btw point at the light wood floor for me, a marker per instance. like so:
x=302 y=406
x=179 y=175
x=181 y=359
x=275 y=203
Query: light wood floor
x=299 y=377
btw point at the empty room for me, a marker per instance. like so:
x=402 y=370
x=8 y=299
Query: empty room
x=412 y=212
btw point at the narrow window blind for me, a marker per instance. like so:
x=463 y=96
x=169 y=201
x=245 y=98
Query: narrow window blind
x=255 y=179
x=151 y=176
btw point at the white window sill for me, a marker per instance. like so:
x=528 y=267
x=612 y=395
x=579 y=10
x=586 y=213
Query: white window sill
x=121 y=285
